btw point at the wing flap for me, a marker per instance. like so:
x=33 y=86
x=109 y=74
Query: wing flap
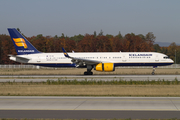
x=86 y=61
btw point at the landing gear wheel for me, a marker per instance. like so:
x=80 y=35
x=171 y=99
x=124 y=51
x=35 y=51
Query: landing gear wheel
x=88 y=73
x=153 y=72
x=85 y=73
x=91 y=73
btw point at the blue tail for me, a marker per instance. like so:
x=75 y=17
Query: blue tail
x=22 y=45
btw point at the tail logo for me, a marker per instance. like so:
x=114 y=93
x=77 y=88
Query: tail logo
x=20 y=42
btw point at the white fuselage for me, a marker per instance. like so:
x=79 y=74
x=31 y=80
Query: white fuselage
x=118 y=58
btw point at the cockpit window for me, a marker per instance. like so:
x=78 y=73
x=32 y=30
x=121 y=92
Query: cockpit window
x=166 y=57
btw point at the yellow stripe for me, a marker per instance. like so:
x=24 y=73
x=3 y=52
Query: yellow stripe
x=20 y=42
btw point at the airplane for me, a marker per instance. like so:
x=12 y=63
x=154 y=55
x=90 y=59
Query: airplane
x=99 y=61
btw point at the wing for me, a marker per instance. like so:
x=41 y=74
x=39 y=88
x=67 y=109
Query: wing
x=80 y=61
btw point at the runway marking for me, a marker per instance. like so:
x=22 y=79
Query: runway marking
x=174 y=104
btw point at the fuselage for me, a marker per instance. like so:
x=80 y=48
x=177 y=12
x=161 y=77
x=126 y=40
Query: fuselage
x=118 y=58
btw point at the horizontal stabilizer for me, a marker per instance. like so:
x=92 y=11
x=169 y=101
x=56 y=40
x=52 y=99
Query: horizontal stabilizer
x=19 y=58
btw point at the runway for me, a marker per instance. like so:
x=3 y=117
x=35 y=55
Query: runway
x=107 y=107
x=40 y=78
x=89 y=103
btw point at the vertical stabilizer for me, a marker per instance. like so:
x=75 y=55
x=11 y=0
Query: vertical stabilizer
x=21 y=45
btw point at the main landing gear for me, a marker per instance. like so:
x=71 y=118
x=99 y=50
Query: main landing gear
x=153 y=72
x=88 y=72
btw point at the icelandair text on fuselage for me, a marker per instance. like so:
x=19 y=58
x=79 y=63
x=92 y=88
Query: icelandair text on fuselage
x=140 y=54
x=25 y=50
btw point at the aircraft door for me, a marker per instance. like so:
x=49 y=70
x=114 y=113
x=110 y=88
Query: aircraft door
x=124 y=58
x=38 y=59
x=156 y=59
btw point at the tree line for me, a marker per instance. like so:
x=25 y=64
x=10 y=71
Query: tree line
x=90 y=43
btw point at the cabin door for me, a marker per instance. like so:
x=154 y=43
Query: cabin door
x=156 y=59
x=38 y=59
x=124 y=58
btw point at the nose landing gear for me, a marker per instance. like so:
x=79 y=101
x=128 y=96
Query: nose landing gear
x=153 y=72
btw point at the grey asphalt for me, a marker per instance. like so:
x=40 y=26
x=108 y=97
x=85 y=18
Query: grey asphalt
x=40 y=78
x=88 y=114
x=89 y=103
x=89 y=107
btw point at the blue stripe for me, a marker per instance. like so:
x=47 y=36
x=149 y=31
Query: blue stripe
x=56 y=65
x=115 y=64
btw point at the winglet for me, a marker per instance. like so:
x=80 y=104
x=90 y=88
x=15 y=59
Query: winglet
x=65 y=53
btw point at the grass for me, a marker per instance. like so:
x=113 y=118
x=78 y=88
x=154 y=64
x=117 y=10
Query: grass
x=80 y=71
x=95 y=82
x=113 y=82
x=91 y=88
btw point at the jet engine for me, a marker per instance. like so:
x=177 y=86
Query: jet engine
x=107 y=67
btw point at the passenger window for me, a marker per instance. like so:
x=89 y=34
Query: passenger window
x=166 y=57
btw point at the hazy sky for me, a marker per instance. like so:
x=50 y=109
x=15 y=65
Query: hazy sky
x=73 y=17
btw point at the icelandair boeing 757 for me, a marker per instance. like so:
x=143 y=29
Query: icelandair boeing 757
x=100 y=61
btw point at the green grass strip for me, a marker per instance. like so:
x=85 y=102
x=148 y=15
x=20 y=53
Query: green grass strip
x=113 y=82
x=100 y=82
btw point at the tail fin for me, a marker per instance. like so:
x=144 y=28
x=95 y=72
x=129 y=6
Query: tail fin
x=22 y=45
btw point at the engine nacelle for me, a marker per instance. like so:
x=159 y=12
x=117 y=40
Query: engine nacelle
x=107 y=67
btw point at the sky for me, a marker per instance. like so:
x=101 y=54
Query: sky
x=74 y=17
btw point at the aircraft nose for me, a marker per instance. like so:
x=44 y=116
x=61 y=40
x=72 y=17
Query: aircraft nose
x=172 y=61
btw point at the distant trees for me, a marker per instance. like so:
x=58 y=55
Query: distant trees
x=90 y=43
x=7 y=48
